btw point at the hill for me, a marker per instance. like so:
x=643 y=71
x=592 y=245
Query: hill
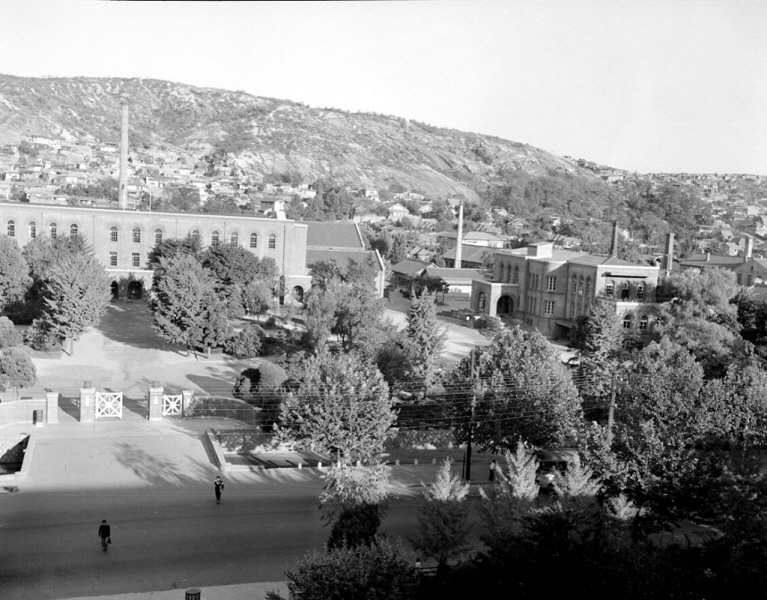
x=265 y=136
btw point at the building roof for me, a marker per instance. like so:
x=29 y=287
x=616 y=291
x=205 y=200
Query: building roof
x=454 y=275
x=327 y=234
x=411 y=266
x=711 y=260
x=469 y=252
x=343 y=258
x=481 y=235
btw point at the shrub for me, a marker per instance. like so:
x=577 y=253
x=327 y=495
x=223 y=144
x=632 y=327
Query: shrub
x=247 y=343
x=39 y=336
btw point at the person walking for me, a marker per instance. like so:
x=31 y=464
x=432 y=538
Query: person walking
x=105 y=533
x=218 y=486
x=493 y=467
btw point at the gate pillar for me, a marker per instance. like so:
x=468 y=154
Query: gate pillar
x=52 y=407
x=87 y=403
x=155 y=403
x=188 y=398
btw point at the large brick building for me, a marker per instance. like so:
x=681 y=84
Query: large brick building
x=548 y=289
x=122 y=239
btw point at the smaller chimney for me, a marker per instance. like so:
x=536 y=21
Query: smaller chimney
x=669 y=253
x=459 y=245
x=614 y=248
x=749 y=248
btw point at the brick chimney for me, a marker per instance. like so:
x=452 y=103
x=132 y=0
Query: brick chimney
x=614 y=247
x=459 y=245
x=668 y=258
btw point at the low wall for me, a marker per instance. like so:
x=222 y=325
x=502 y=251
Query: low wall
x=20 y=411
x=230 y=408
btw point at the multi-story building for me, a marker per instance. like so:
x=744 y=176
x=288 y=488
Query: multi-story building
x=122 y=240
x=548 y=289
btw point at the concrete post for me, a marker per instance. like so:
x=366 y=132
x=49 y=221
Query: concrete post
x=155 y=403
x=187 y=397
x=87 y=404
x=52 y=407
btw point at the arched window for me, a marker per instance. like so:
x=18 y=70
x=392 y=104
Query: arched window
x=234 y=239
x=113 y=234
x=640 y=296
x=625 y=290
x=157 y=237
x=272 y=241
x=643 y=323
x=574 y=287
x=254 y=240
x=73 y=230
x=214 y=238
x=580 y=286
x=627 y=321
x=32 y=230
x=53 y=230
x=588 y=288
x=516 y=274
x=610 y=288
x=11 y=229
x=136 y=235
x=481 y=301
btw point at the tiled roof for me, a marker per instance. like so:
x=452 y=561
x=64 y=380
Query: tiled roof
x=481 y=235
x=326 y=234
x=711 y=260
x=469 y=252
x=342 y=257
x=411 y=266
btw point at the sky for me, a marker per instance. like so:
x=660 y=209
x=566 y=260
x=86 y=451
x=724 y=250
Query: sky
x=666 y=86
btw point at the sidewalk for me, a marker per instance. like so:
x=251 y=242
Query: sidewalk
x=242 y=591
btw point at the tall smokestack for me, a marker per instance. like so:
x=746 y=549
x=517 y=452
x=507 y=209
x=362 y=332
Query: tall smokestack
x=459 y=246
x=123 y=187
x=614 y=247
x=668 y=259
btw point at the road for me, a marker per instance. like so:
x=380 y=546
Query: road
x=162 y=540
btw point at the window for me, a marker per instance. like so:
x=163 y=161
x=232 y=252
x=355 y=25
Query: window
x=136 y=235
x=588 y=288
x=572 y=310
x=643 y=323
x=610 y=288
x=11 y=229
x=580 y=285
x=748 y=279
x=548 y=307
x=481 y=301
x=551 y=284
x=272 y=241
x=136 y=259
x=113 y=259
x=516 y=275
x=214 y=238
x=52 y=227
x=234 y=239
x=32 y=230
x=73 y=230
x=113 y=234
x=254 y=240
x=157 y=237
x=574 y=287
x=640 y=295
x=627 y=322
x=625 y=290
x=740 y=279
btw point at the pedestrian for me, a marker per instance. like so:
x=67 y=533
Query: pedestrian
x=105 y=533
x=493 y=466
x=218 y=486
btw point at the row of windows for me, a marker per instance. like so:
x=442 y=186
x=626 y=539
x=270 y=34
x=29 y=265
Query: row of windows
x=234 y=238
x=135 y=259
x=507 y=274
x=628 y=322
x=624 y=290
x=579 y=288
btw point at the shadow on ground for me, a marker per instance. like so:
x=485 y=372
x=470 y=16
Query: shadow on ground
x=131 y=323
x=153 y=469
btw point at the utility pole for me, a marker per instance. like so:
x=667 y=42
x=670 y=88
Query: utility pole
x=471 y=415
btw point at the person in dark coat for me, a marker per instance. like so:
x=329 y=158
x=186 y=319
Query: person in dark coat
x=493 y=467
x=105 y=533
x=218 y=486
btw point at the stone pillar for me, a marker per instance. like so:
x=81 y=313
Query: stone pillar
x=155 y=403
x=187 y=397
x=87 y=403
x=52 y=407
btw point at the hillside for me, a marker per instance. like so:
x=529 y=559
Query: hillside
x=264 y=136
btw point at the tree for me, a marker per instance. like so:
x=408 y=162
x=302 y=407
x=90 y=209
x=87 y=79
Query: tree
x=341 y=408
x=16 y=369
x=76 y=292
x=191 y=245
x=14 y=277
x=426 y=340
x=444 y=520
x=383 y=570
x=9 y=337
x=257 y=297
x=183 y=294
x=520 y=391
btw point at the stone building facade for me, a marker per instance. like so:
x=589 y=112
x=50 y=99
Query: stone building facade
x=548 y=289
x=122 y=240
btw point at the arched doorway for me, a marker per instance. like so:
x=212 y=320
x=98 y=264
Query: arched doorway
x=504 y=305
x=298 y=293
x=115 y=290
x=135 y=290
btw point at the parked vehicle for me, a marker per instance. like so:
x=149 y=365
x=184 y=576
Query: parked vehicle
x=553 y=463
